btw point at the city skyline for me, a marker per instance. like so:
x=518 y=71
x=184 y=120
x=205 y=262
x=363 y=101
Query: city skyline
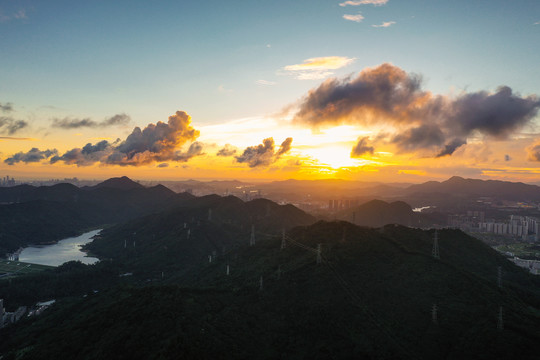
x=374 y=90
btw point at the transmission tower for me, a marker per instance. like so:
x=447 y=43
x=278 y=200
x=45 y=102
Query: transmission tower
x=228 y=270
x=283 y=241
x=344 y=235
x=319 y=257
x=499 y=277
x=209 y=214
x=434 y=314
x=252 y=238
x=435 y=251
x=261 y=284
x=279 y=272
x=500 y=324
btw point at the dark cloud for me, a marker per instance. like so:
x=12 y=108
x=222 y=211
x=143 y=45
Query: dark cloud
x=227 y=150
x=69 y=123
x=34 y=155
x=155 y=143
x=388 y=95
x=6 y=107
x=264 y=154
x=88 y=155
x=362 y=147
x=195 y=149
x=451 y=147
x=285 y=147
x=163 y=165
x=507 y=157
x=10 y=126
x=534 y=152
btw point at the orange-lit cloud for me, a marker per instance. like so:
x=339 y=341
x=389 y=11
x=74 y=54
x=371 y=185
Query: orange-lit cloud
x=155 y=143
x=533 y=152
x=420 y=120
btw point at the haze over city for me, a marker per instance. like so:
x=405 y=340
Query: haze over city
x=360 y=90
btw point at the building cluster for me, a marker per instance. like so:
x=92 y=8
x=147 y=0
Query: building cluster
x=532 y=265
x=15 y=255
x=7 y=181
x=7 y=318
x=526 y=227
x=337 y=205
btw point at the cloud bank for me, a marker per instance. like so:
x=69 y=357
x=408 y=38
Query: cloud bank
x=33 y=155
x=387 y=95
x=155 y=143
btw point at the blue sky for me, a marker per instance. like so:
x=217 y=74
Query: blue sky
x=225 y=60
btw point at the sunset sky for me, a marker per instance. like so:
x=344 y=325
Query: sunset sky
x=374 y=90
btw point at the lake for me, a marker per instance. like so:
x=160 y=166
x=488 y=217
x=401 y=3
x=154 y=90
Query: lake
x=65 y=250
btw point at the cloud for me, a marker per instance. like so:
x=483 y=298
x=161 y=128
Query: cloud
x=227 y=150
x=19 y=15
x=318 y=68
x=15 y=138
x=387 y=95
x=33 y=155
x=155 y=143
x=195 y=149
x=88 y=155
x=451 y=147
x=356 y=18
x=265 y=82
x=362 y=147
x=263 y=154
x=7 y=107
x=285 y=147
x=364 y=2
x=163 y=165
x=10 y=126
x=68 y=123
x=537 y=23
x=534 y=152
x=385 y=24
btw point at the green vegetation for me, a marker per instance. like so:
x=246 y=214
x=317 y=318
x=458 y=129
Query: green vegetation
x=19 y=268
x=371 y=297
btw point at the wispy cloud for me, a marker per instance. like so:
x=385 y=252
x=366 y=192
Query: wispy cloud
x=364 y=2
x=265 y=82
x=384 y=24
x=16 y=138
x=318 y=68
x=10 y=126
x=69 y=123
x=537 y=23
x=19 y=15
x=7 y=107
x=356 y=18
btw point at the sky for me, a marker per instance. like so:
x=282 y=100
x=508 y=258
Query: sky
x=370 y=90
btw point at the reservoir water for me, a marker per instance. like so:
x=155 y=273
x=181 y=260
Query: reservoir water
x=65 y=250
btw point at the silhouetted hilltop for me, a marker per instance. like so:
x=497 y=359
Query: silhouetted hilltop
x=473 y=187
x=121 y=183
x=377 y=213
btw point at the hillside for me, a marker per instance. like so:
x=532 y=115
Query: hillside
x=371 y=297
